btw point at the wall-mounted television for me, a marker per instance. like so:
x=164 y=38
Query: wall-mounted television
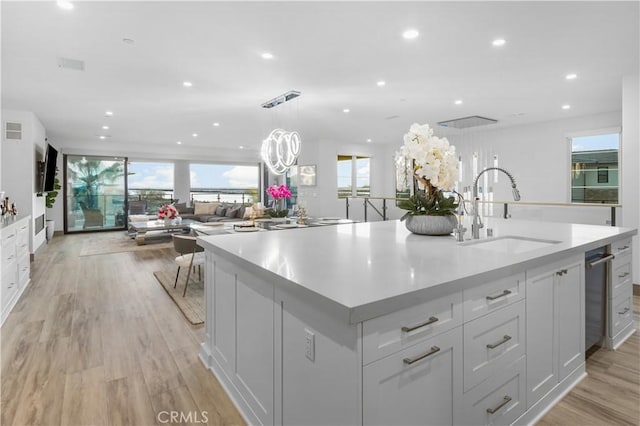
x=49 y=172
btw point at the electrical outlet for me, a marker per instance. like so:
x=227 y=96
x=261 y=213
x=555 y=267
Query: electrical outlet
x=310 y=344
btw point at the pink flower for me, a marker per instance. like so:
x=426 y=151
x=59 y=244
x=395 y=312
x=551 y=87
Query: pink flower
x=168 y=211
x=278 y=192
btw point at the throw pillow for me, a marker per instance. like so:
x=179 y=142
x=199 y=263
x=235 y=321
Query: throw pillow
x=247 y=212
x=204 y=208
x=232 y=212
x=181 y=207
x=221 y=211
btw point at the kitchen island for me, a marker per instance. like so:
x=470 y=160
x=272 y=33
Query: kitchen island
x=370 y=324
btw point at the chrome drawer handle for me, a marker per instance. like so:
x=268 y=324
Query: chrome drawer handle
x=623 y=275
x=505 y=401
x=503 y=294
x=431 y=320
x=623 y=248
x=562 y=272
x=624 y=311
x=410 y=361
x=504 y=340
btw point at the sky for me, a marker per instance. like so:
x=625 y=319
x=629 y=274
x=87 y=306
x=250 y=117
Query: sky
x=593 y=143
x=344 y=172
x=160 y=176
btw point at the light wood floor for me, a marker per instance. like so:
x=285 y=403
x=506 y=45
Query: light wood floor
x=95 y=340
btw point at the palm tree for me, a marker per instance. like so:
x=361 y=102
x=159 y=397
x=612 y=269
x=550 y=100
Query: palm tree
x=93 y=174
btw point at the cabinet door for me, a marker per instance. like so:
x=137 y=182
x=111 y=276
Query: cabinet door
x=254 y=345
x=419 y=385
x=542 y=339
x=224 y=316
x=570 y=323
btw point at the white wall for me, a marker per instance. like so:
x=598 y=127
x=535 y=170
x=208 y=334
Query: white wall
x=631 y=163
x=19 y=175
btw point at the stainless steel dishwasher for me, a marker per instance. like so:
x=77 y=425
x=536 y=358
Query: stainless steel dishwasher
x=596 y=273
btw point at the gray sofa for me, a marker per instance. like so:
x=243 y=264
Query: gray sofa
x=222 y=212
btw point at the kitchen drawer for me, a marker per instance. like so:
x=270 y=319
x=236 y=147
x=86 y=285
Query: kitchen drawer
x=621 y=313
x=22 y=240
x=24 y=269
x=9 y=285
x=620 y=275
x=498 y=401
x=8 y=249
x=493 y=341
x=489 y=297
x=621 y=247
x=390 y=333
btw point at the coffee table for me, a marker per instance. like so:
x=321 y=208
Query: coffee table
x=141 y=228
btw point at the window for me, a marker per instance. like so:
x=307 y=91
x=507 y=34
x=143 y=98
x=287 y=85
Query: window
x=353 y=176
x=594 y=168
x=151 y=182
x=225 y=182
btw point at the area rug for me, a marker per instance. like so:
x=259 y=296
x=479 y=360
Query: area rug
x=192 y=305
x=92 y=247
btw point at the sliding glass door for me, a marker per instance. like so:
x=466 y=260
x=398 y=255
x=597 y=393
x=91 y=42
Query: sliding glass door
x=95 y=192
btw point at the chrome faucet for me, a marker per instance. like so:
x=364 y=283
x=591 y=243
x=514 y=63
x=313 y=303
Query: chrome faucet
x=477 y=223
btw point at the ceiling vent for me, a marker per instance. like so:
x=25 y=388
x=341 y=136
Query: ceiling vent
x=291 y=94
x=13 y=131
x=72 y=64
x=465 y=122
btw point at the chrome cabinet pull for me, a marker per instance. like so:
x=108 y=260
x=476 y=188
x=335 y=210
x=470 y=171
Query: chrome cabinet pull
x=623 y=248
x=599 y=261
x=624 y=311
x=505 y=401
x=410 y=361
x=623 y=275
x=431 y=320
x=503 y=294
x=562 y=272
x=504 y=340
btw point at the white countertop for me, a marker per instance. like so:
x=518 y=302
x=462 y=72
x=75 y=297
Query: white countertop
x=370 y=269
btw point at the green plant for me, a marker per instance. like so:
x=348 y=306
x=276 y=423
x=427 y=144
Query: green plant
x=435 y=205
x=277 y=213
x=52 y=195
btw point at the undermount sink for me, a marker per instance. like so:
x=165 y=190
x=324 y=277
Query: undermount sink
x=510 y=244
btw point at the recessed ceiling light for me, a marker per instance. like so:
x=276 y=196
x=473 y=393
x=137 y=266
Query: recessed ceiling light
x=241 y=147
x=458 y=102
x=267 y=55
x=195 y=135
x=566 y=106
x=108 y=113
x=187 y=83
x=381 y=83
x=346 y=110
x=105 y=127
x=410 y=34
x=368 y=140
x=179 y=142
x=499 y=42
x=66 y=5
x=128 y=41
x=102 y=137
x=571 y=76
x=216 y=124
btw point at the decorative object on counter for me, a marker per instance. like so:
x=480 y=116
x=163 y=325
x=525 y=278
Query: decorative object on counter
x=52 y=195
x=279 y=193
x=433 y=165
x=168 y=212
x=301 y=213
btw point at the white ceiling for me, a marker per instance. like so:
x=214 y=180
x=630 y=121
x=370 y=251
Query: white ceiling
x=334 y=53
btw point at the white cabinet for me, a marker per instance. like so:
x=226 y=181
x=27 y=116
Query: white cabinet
x=16 y=262
x=417 y=386
x=620 y=291
x=554 y=325
x=241 y=336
